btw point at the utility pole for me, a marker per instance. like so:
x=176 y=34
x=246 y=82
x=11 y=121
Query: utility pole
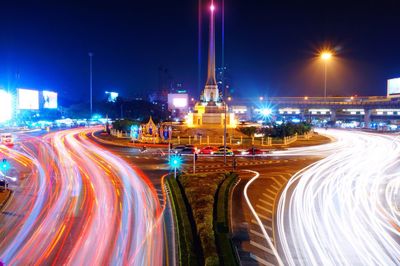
x=91 y=83
x=325 y=78
x=223 y=73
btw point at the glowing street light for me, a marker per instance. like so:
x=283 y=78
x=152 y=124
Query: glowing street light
x=326 y=56
x=229 y=98
x=266 y=112
x=175 y=162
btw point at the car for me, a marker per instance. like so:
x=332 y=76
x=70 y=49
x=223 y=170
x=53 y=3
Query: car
x=178 y=149
x=221 y=147
x=7 y=139
x=207 y=150
x=253 y=151
x=222 y=151
x=188 y=151
x=189 y=146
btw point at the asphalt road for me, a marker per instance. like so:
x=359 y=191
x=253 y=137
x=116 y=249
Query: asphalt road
x=338 y=207
x=76 y=203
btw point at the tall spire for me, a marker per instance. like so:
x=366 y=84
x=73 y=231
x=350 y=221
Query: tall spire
x=211 y=80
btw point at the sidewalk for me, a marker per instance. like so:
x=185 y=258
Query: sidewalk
x=316 y=139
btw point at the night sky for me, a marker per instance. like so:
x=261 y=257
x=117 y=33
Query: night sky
x=271 y=46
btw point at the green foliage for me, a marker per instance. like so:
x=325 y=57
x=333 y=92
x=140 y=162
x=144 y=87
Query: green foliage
x=200 y=191
x=249 y=131
x=286 y=129
x=124 y=124
x=224 y=243
x=187 y=254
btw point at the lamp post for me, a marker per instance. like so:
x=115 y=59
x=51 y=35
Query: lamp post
x=225 y=132
x=91 y=84
x=326 y=57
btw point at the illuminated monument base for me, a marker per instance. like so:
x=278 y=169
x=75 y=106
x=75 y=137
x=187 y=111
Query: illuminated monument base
x=205 y=116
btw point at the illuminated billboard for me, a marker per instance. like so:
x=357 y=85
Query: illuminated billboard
x=393 y=87
x=177 y=101
x=5 y=106
x=28 y=99
x=49 y=99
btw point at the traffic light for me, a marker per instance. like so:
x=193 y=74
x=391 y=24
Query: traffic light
x=175 y=161
x=5 y=165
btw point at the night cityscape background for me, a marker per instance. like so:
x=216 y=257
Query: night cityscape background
x=208 y=132
x=269 y=47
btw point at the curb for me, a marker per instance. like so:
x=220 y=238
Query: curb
x=6 y=200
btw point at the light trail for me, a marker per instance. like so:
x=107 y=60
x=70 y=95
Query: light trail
x=87 y=206
x=345 y=208
x=253 y=211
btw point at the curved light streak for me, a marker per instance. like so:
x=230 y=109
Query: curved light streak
x=253 y=211
x=86 y=206
x=343 y=209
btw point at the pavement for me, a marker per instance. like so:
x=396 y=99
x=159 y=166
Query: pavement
x=263 y=195
x=264 y=192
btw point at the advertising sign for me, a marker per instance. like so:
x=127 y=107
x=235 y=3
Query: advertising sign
x=28 y=99
x=177 y=101
x=49 y=99
x=393 y=87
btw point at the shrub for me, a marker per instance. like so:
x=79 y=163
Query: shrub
x=200 y=191
x=186 y=241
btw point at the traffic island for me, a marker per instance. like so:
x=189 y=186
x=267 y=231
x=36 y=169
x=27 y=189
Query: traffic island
x=202 y=200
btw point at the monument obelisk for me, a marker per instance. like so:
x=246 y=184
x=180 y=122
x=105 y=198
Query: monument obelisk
x=210 y=111
x=211 y=92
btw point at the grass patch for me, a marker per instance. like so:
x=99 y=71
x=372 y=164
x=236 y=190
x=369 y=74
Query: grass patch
x=225 y=246
x=186 y=239
x=200 y=191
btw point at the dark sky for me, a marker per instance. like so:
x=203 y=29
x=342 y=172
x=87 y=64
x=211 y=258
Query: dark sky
x=271 y=46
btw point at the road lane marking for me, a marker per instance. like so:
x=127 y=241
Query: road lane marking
x=253 y=243
x=260 y=260
x=257 y=216
x=266 y=202
x=268 y=196
x=275 y=187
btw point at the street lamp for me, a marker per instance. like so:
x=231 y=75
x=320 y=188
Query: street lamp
x=91 y=83
x=326 y=56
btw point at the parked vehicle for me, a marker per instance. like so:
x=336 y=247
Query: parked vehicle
x=178 y=149
x=208 y=150
x=188 y=151
x=253 y=151
x=222 y=151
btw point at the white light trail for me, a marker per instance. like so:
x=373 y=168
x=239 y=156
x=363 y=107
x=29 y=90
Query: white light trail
x=345 y=208
x=253 y=211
